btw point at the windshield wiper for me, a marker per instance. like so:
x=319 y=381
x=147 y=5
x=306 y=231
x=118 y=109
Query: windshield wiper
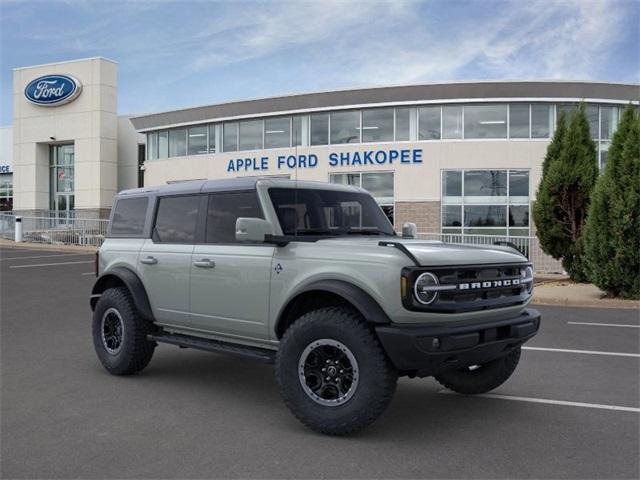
x=313 y=231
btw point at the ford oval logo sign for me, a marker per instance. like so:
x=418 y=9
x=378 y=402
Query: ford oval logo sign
x=53 y=90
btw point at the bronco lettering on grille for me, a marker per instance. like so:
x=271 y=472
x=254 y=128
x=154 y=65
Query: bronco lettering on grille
x=512 y=282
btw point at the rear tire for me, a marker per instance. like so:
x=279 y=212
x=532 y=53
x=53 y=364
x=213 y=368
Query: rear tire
x=357 y=382
x=486 y=377
x=120 y=334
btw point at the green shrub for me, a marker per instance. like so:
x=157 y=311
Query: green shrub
x=569 y=174
x=612 y=233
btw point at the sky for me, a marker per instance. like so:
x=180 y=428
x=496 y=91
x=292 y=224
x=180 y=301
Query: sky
x=176 y=54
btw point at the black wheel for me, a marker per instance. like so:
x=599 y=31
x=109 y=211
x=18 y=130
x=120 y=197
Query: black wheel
x=480 y=378
x=332 y=372
x=120 y=334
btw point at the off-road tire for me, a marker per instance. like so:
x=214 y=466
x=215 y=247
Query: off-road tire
x=483 y=379
x=135 y=351
x=377 y=376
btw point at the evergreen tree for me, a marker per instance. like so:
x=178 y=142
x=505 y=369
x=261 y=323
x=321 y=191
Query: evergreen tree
x=612 y=233
x=548 y=231
x=563 y=198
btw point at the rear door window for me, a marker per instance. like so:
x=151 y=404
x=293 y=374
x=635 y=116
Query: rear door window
x=223 y=211
x=129 y=216
x=176 y=219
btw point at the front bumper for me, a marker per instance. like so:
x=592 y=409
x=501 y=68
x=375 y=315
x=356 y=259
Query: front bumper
x=425 y=350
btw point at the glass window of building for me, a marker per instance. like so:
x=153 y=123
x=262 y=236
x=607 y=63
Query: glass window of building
x=429 y=123
x=345 y=127
x=377 y=125
x=378 y=184
x=568 y=109
x=452 y=121
x=163 y=144
x=485 y=207
x=519 y=120
x=518 y=186
x=152 y=146
x=451 y=186
x=197 y=140
x=320 y=129
x=519 y=216
x=6 y=192
x=212 y=138
x=345 y=179
x=485 y=121
x=178 y=142
x=176 y=219
x=604 y=152
x=592 y=116
x=485 y=186
x=608 y=121
x=61 y=180
x=296 y=130
x=230 y=137
x=251 y=133
x=277 y=132
x=485 y=216
x=541 y=120
x=451 y=217
x=403 y=124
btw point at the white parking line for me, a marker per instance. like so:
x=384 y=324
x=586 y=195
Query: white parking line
x=588 y=352
x=604 y=324
x=50 y=264
x=88 y=273
x=547 y=401
x=44 y=256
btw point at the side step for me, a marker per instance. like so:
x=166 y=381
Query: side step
x=210 y=345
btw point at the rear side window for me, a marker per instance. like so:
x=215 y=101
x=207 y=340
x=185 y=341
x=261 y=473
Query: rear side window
x=224 y=209
x=128 y=217
x=176 y=219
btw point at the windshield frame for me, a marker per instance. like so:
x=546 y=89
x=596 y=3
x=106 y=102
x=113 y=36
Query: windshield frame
x=369 y=208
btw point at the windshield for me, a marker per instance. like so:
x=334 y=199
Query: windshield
x=328 y=212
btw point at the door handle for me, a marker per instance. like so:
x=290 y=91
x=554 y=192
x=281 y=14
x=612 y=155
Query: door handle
x=204 y=263
x=149 y=260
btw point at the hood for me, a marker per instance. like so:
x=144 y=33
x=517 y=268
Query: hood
x=436 y=253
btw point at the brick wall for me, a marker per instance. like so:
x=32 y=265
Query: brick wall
x=426 y=215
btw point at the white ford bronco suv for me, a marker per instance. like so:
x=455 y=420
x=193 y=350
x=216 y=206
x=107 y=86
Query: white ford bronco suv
x=312 y=277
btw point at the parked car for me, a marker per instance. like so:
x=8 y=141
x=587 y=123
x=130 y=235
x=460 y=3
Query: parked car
x=312 y=277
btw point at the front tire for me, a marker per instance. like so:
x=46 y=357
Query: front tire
x=120 y=334
x=332 y=373
x=480 y=378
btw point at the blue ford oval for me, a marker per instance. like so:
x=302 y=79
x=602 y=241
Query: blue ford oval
x=52 y=90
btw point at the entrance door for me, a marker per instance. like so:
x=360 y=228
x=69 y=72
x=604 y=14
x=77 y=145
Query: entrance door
x=62 y=181
x=230 y=280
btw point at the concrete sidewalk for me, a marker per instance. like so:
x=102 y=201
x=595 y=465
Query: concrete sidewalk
x=549 y=291
x=46 y=246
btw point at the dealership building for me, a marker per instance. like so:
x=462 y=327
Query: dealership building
x=460 y=157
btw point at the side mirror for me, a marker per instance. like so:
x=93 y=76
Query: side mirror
x=409 y=230
x=252 y=229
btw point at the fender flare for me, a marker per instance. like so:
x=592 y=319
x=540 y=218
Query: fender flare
x=133 y=283
x=361 y=300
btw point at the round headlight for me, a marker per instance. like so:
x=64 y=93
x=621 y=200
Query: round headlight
x=527 y=277
x=425 y=289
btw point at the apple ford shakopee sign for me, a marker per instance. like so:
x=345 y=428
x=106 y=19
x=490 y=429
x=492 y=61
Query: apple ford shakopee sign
x=53 y=90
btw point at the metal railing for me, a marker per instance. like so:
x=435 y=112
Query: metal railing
x=529 y=246
x=56 y=230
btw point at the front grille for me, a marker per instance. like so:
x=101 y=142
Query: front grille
x=476 y=287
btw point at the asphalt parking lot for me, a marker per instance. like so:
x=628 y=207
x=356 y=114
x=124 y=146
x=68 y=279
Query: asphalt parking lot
x=571 y=410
